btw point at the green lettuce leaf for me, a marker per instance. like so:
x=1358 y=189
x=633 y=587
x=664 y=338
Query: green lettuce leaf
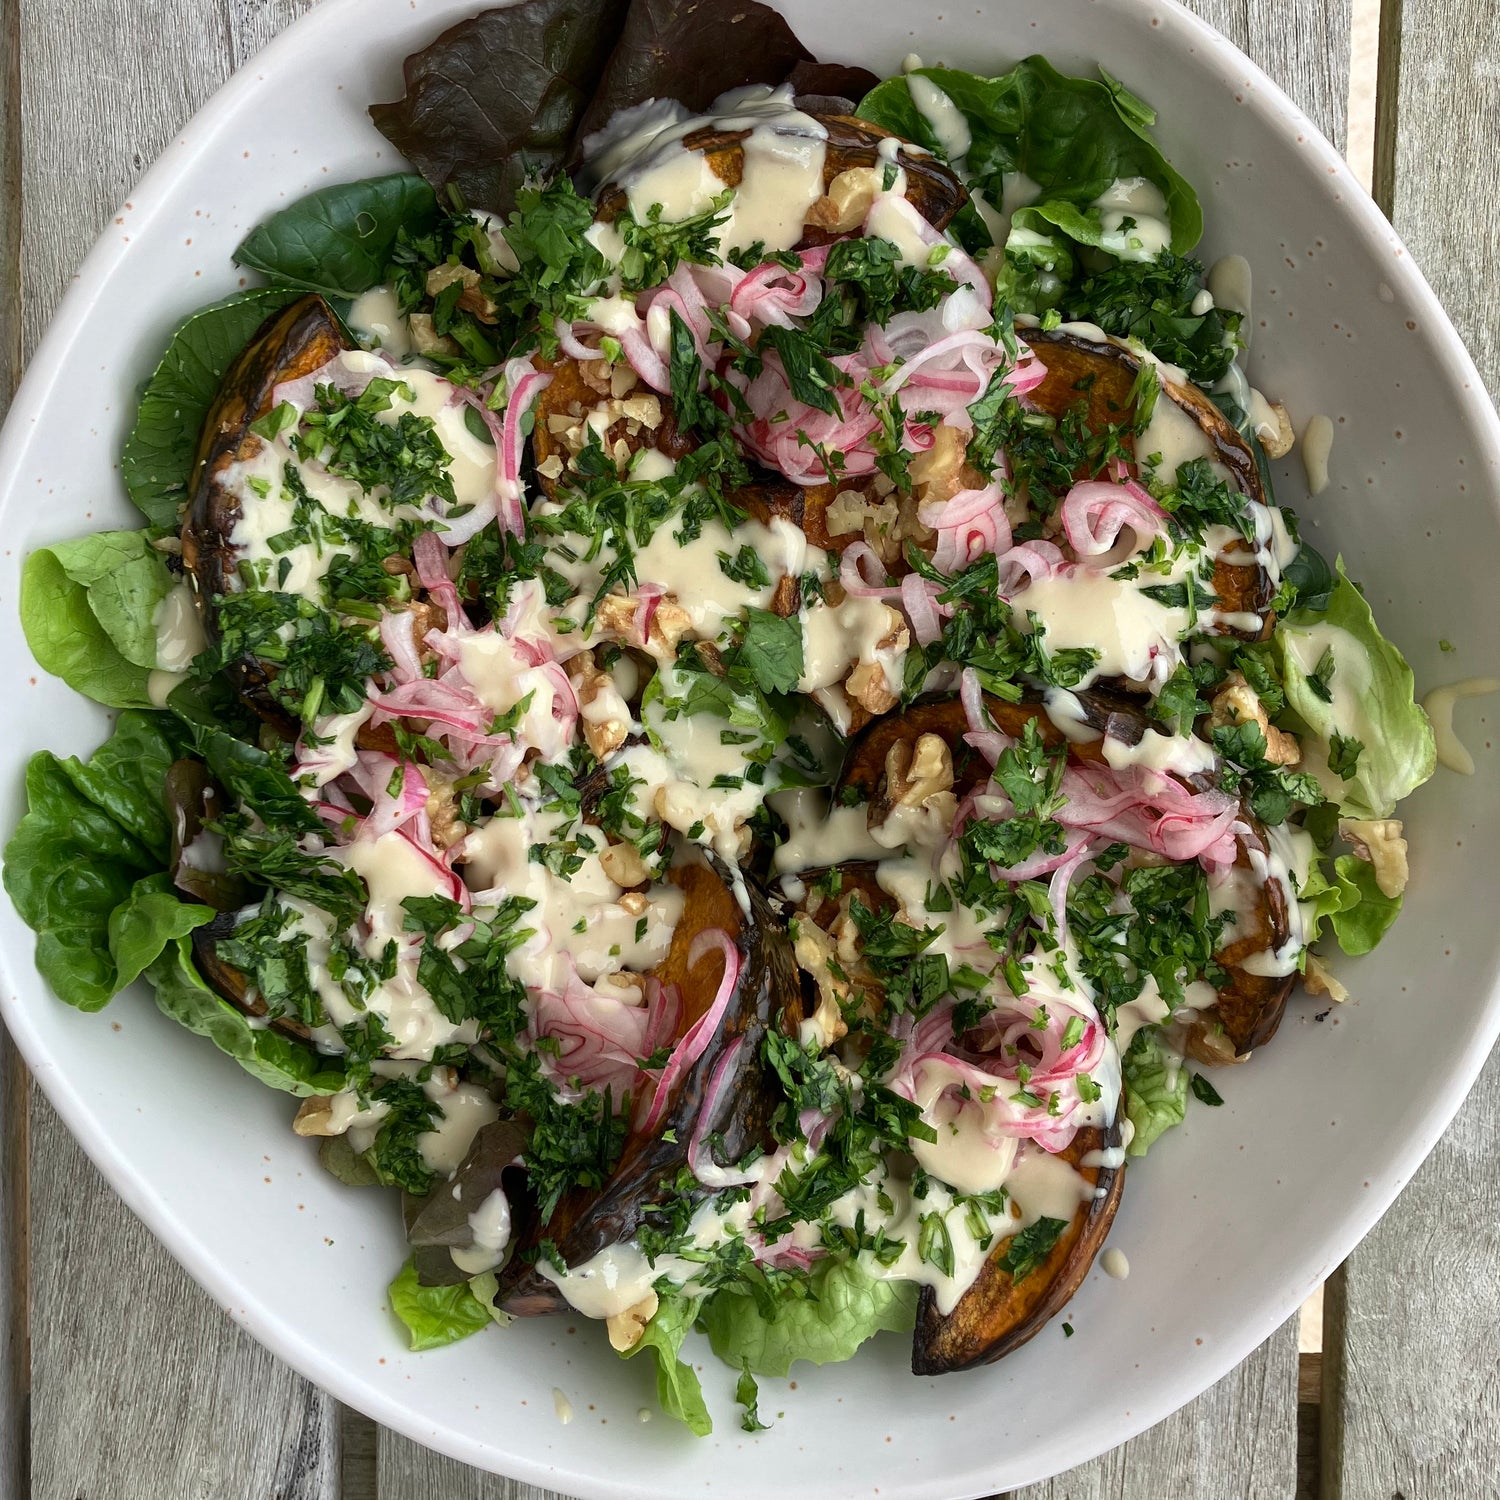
x=338 y=240
x=149 y=918
x=1156 y=1086
x=677 y=1385
x=87 y=610
x=1372 y=702
x=275 y=1059
x=436 y=1315
x=1357 y=911
x=92 y=833
x=847 y=1307
x=1072 y=136
x=158 y=458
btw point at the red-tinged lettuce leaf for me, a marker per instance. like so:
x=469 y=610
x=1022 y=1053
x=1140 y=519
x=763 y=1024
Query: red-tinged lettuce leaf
x=692 y=52
x=499 y=97
x=830 y=88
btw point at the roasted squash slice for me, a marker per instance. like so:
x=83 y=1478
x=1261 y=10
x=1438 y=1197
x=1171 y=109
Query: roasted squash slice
x=1000 y=1313
x=767 y=994
x=299 y=339
x=931 y=187
x=1249 y=1006
x=1105 y=375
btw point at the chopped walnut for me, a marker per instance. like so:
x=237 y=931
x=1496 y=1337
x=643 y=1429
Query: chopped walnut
x=867 y=686
x=847 y=201
x=1378 y=841
x=425 y=339
x=624 y=865
x=915 y=773
x=814 y=951
x=635 y=903
x=448 y=828
x=602 y=712
x=1238 y=703
x=551 y=467
x=314 y=1116
x=439 y=278
x=1318 y=981
x=1279 y=443
x=616 y=618
x=626 y=1328
x=944 y=469
x=878 y=522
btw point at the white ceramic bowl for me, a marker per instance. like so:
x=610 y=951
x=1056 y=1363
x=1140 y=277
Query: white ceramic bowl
x=1231 y=1222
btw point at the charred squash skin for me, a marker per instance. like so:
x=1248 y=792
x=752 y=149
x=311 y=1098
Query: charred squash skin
x=768 y=995
x=299 y=339
x=1250 y=1006
x=1105 y=376
x=998 y=1313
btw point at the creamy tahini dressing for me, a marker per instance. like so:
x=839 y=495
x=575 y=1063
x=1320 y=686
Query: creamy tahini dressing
x=1439 y=704
x=179 y=639
x=1133 y=219
x=267 y=507
x=642 y=151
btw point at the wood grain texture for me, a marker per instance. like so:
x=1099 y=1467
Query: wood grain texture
x=147 y=1389
x=140 y=1385
x=15 y=1455
x=407 y=1471
x=1408 y=1423
x=1238 y=1441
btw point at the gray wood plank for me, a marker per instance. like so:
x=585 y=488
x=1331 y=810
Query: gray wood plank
x=141 y=1386
x=1237 y=1441
x=14 y=1369
x=1428 y=1277
x=152 y=1391
x=1252 y=1413
x=408 y=1471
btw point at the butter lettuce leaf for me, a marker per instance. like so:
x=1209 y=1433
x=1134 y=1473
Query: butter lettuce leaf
x=1369 y=698
x=846 y=1307
x=277 y=1060
x=1156 y=1085
x=678 y=1388
x=1348 y=898
x=83 y=866
x=435 y=1316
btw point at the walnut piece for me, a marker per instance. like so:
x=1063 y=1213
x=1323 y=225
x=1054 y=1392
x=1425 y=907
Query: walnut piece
x=1238 y=703
x=624 y=865
x=1279 y=443
x=814 y=951
x=625 y=1328
x=847 y=201
x=915 y=773
x=1378 y=841
x=601 y=710
x=425 y=339
x=1318 y=981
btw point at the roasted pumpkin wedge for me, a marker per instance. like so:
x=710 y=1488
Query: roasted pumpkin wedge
x=1250 y=1005
x=299 y=339
x=767 y=994
x=1001 y=1310
x=1105 y=375
x=931 y=187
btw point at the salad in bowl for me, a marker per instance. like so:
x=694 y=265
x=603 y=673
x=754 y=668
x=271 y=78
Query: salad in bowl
x=714 y=681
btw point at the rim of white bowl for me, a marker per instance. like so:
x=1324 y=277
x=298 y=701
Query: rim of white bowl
x=262 y=1320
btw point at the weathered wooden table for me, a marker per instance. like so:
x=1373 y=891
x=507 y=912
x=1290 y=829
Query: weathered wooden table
x=122 y=1381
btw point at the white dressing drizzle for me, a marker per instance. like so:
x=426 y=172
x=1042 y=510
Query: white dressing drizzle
x=1439 y=704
